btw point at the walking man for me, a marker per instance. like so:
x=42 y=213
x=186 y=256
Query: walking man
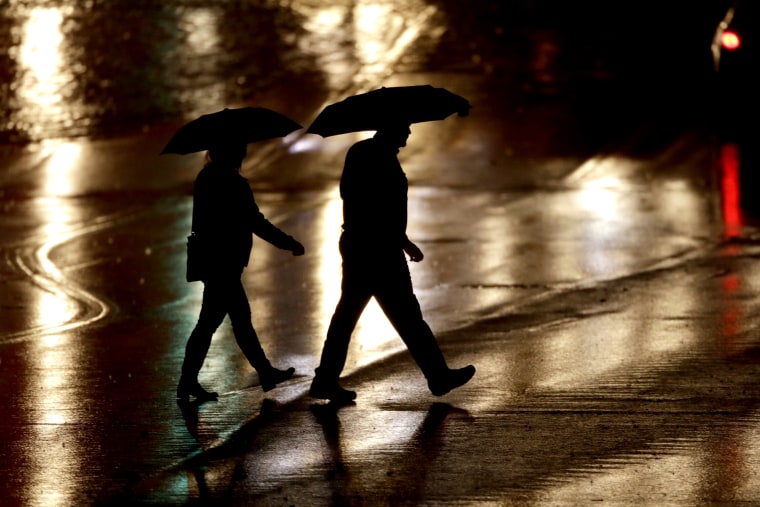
x=373 y=243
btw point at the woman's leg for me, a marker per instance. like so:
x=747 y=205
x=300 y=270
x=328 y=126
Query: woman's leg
x=248 y=340
x=211 y=316
x=245 y=334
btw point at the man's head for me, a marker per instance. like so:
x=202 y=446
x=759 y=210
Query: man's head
x=395 y=134
x=228 y=155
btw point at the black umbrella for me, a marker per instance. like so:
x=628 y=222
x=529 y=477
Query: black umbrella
x=244 y=125
x=400 y=104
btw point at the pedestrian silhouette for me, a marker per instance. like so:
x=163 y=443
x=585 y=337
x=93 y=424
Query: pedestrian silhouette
x=225 y=215
x=374 y=192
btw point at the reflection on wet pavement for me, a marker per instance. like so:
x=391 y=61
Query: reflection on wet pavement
x=606 y=291
x=731 y=189
x=61 y=304
x=96 y=68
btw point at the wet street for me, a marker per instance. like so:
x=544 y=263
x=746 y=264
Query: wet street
x=586 y=248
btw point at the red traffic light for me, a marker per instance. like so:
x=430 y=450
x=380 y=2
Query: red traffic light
x=730 y=40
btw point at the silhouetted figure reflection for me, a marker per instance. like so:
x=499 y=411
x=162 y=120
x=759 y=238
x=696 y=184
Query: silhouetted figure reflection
x=407 y=473
x=374 y=192
x=193 y=424
x=225 y=215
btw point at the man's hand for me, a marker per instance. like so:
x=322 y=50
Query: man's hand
x=298 y=250
x=413 y=251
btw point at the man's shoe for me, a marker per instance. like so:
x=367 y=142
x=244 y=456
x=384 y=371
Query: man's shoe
x=451 y=380
x=187 y=389
x=333 y=392
x=271 y=378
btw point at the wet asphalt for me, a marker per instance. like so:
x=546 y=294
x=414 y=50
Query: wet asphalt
x=585 y=248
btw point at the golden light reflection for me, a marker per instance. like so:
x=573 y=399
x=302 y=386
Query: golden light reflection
x=678 y=475
x=59 y=306
x=618 y=201
x=606 y=225
x=585 y=350
x=383 y=33
x=679 y=301
x=329 y=271
x=52 y=464
x=325 y=20
x=199 y=53
x=681 y=207
x=399 y=427
x=202 y=34
x=51 y=396
x=326 y=39
x=44 y=73
x=41 y=56
x=373 y=23
x=496 y=242
x=593 y=347
x=278 y=461
x=53 y=309
x=744 y=463
x=380 y=33
x=276 y=464
x=613 y=211
x=61 y=161
x=601 y=197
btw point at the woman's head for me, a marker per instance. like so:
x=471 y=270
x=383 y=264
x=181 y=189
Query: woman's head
x=228 y=155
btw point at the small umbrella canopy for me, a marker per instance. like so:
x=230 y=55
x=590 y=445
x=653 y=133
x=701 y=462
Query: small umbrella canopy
x=244 y=125
x=401 y=104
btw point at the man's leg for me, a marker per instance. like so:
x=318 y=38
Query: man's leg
x=342 y=325
x=354 y=298
x=395 y=295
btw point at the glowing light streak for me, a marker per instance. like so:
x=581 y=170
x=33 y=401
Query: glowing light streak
x=730 y=190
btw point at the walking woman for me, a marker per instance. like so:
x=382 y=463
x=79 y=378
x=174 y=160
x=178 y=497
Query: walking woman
x=225 y=216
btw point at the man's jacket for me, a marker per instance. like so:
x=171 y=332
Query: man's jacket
x=374 y=192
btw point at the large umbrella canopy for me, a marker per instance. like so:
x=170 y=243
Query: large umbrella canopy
x=400 y=104
x=243 y=125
